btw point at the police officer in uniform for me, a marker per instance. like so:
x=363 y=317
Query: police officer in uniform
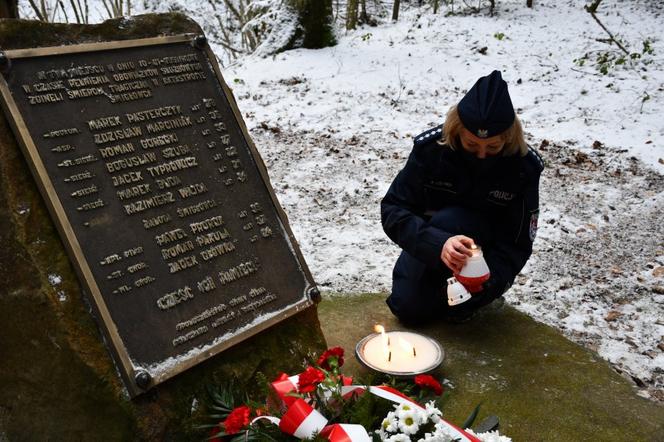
x=473 y=180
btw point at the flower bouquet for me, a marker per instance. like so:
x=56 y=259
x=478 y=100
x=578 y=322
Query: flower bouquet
x=321 y=404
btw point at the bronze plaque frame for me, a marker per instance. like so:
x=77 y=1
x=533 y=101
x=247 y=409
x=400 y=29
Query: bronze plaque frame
x=140 y=375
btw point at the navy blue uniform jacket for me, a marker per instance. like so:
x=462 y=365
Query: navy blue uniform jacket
x=504 y=199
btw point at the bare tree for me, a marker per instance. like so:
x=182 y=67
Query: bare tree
x=364 y=17
x=395 y=10
x=40 y=11
x=117 y=8
x=592 y=9
x=351 y=14
x=9 y=9
x=52 y=10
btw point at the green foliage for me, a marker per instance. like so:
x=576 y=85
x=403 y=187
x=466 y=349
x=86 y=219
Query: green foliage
x=363 y=409
x=499 y=36
x=222 y=399
x=645 y=97
x=316 y=23
x=471 y=418
x=366 y=410
x=606 y=61
x=367 y=36
x=321 y=386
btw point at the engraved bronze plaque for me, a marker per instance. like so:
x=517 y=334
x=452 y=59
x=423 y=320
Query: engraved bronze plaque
x=160 y=197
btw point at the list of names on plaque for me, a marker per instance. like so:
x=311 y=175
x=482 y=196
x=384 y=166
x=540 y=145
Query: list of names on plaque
x=164 y=194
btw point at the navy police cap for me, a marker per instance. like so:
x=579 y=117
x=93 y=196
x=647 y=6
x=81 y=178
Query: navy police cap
x=486 y=110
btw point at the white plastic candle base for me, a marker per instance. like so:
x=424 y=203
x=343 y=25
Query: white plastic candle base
x=456 y=292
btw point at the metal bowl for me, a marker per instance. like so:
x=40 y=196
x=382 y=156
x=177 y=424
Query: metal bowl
x=359 y=353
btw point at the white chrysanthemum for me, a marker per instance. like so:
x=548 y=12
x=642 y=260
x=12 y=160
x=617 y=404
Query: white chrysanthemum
x=443 y=430
x=433 y=413
x=409 y=422
x=422 y=415
x=429 y=437
x=403 y=408
x=389 y=424
x=398 y=438
x=490 y=436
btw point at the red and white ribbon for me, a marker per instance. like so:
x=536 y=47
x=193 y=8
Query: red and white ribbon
x=303 y=421
x=345 y=433
x=286 y=384
x=394 y=395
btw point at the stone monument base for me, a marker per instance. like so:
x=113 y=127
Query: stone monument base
x=58 y=379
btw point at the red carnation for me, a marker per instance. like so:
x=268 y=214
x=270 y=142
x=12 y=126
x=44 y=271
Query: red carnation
x=237 y=419
x=309 y=378
x=335 y=352
x=213 y=434
x=427 y=381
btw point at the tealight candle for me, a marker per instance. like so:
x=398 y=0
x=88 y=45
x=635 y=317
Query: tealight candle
x=408 y=353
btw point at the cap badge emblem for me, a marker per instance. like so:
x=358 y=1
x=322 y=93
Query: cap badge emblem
x=482 y=133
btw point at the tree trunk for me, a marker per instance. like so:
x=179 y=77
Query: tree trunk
x=315 y=18
x=529 y=3
x=9 y=9
x=436 y=3
x=364 y=17
x=395 y=10
x=351 y=14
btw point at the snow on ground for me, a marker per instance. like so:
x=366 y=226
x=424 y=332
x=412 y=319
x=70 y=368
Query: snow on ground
x=334 y=126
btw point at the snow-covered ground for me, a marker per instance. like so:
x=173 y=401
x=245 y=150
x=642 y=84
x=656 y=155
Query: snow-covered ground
x=334 y=126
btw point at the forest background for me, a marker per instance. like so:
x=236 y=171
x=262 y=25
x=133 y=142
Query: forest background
x=333 y=92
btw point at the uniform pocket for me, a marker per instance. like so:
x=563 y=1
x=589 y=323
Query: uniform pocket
x=440 y=194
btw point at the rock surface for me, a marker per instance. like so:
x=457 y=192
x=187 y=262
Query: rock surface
x=57 y=379
x=541 y=386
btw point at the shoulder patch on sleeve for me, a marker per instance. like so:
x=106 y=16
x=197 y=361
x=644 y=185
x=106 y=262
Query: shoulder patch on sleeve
x=430 y=135
x=532 y=230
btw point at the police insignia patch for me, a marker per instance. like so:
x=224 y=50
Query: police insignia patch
x=482 y=133
x=533 y=226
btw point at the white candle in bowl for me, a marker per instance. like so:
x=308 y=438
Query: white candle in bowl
x=408 y=353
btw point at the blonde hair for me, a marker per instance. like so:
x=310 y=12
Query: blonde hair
x=512 y=136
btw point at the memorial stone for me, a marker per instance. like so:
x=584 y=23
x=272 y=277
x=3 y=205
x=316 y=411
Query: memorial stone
x=168 y=216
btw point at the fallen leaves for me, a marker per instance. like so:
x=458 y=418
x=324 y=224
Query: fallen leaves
x=612 y=316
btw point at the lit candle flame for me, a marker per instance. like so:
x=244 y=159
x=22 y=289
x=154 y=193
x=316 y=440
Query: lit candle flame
x=380 y=329
x=407 y=346
x=475 y=250
x=386 y=341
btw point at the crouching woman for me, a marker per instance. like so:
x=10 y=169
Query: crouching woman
x=472 y=181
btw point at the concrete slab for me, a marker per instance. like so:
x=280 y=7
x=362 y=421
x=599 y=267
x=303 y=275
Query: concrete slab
x=542 y=386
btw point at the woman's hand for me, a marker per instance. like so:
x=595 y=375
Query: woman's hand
x=456 y=251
